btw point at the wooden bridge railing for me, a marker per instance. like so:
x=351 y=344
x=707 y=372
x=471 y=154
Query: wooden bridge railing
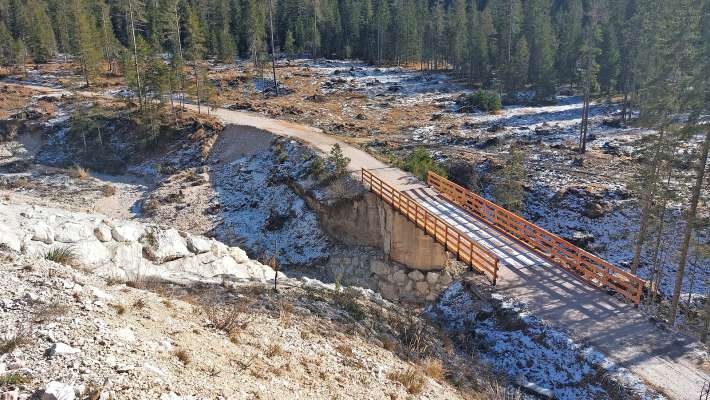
x=456 y=242
x=593 y=269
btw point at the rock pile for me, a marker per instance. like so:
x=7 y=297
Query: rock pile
x=124 y=250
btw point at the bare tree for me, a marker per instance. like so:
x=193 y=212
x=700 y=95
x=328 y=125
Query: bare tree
x=273 y=51
x=690 y=222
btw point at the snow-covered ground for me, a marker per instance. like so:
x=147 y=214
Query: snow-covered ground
x=532 y=353
x=262 y=211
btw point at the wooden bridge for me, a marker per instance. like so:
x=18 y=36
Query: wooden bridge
x=487 y=237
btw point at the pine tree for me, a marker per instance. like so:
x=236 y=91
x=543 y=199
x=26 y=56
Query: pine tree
x=38 y=33
x=589 y=69
x=289 y=45
x=509 y=191
x=569 y=25
x=540 y=37
x=6 y=45
x=84 y=41
x=609 y=60
x=517 y=75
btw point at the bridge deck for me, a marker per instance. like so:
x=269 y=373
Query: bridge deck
x=511 y=252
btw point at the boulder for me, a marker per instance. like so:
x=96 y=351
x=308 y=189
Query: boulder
x=61 y=349
x=72 y=232
x=10 y=239
x=226 y=266
x=416 y=276
x=379 y=267
x=238 y=254
x=432 y=277
x=42 y=232
x=127 y=232
x=198 y=244
x=103 y=233
x=165 y=246
x=58 y=391
x=90 y=252
x=129 y=256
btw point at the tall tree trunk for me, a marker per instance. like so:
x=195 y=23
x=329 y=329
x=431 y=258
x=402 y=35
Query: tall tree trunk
x=135 y=52
x=649 y=194
x=690 y=223
x=178 y=41
x=706 y=326
x=273 y=48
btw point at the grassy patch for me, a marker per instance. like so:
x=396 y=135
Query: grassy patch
x=62 y=255
x=13 y=379
x=411 y=379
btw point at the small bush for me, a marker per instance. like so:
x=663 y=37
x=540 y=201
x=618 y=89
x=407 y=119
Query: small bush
x=108 y=190
x=13 y=380
x=347 y=300
x=79 y=172
x=62 y=255
x=481 y=100
x=49 y=312
x=229 y=318
x=274 y=350
x=419 y=163
x=21 y=337
x=433 y=368
x=338 y=160
x=183 y=356
x=411 y=379
x=316 y=168
x=139 y=304
x=120 y=308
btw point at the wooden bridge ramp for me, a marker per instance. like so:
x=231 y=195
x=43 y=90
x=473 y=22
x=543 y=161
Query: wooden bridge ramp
x=486 y=236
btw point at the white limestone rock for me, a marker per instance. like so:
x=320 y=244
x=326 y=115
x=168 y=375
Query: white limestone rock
x=238 y=254
x=10 y=239
x=42 y=232
x=58 y=391
x=103 y=233
x=198 y=244
x=166 y=245
x=72 y=232
x=61 y=349
x=91 y=252
x=226 y=266
x=127 y=232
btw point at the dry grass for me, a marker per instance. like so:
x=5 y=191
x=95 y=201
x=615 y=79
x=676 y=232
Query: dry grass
x=20 y=338
x=49 y=312
x=108 y=190
x=274 y=350
x=120 y=308
x=78 y=172
x=183 y=356
x=411 y=379
x=62 y=255
x=230 y=318
x=433 y=368
x=344 y=350
x=139 y=304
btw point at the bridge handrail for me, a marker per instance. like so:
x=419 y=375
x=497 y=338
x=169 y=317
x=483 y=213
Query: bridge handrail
x=458 y=243
x=563 y=253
